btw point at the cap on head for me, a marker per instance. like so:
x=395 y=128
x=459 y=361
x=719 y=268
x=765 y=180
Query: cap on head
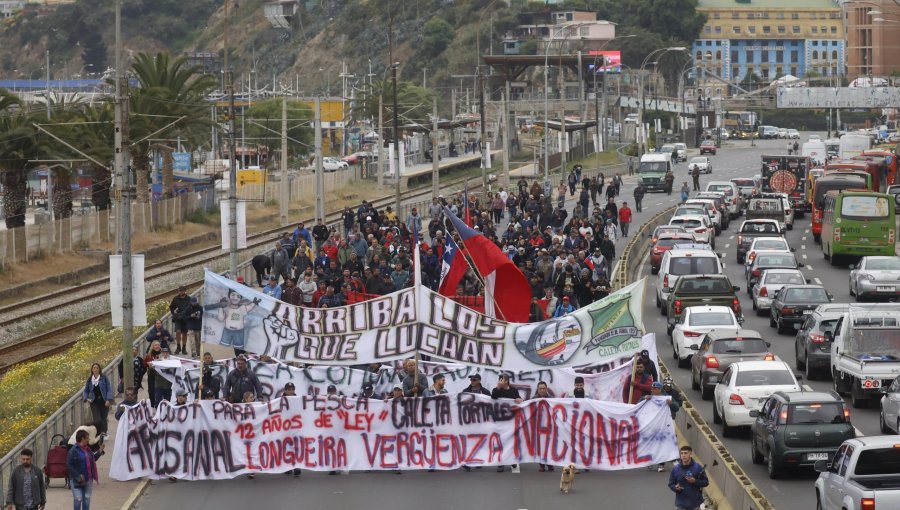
x=657 y=384
x=475 y=377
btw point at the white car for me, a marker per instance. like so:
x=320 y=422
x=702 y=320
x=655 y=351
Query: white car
x=770 y=282
x=698 y=224
x=793 y=134
x=744 y=387
x=709 y=205
x=333 y=164
x=765 y=244
x=782 y=133
x=680 y=262
x=695 y=322
x=681 y=152
x=814 y=137
x=701 y=163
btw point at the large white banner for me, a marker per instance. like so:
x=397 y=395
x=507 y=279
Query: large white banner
x=398 y=325
x=225 y=215
x=604 y=382
x=212 y=439
x=138 y=292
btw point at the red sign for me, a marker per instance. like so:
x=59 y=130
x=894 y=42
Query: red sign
x=612 y=60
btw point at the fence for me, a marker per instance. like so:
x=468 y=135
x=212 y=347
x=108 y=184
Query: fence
x=84 y=230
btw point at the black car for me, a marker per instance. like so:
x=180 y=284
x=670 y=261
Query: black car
x=811 y=349
x=799 y=428
x=793 y=303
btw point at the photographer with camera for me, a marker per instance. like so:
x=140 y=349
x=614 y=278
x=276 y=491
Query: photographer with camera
x=687 y=481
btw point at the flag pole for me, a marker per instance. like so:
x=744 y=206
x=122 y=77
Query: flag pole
x=417 y=286
x=631 y=380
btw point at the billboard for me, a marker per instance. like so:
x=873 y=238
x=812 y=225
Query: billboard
x=612 y=61
x=833 y=97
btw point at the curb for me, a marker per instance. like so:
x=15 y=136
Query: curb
x=136 y=494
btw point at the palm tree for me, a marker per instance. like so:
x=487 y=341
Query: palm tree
x=170 y=103
x=95 y=136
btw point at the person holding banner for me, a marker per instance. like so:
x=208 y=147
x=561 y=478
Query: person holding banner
x=414 y=381
x=240 y=381
x=475 y=386
x=638 y=385
x=437 y=388
x=578 y=391
x=544 y=392
x=505 y=391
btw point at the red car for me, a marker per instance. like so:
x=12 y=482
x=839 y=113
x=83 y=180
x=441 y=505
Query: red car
x=708 y=147
x=665 y=243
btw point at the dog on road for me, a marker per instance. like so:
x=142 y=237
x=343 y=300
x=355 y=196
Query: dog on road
x=567 y=479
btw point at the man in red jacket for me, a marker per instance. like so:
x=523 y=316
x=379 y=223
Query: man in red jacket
x=641 y=382
x=624 y=218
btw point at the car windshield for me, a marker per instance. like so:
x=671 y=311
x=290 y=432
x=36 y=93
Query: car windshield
x=886 y=263
x=669 y=242
x=711 y=319
x=688 y=223
x=653 y=167
x=666 y=148
x=697 y=161
x=814 y=414
x=806 y=296
x=776 y=261
x=784 y=279
x=863 y=207
x=668 y=228
x=740 y=346
x=759 y=228
x=681 y=266
x=704 y=286
x=728 y=190
x=765 y=378
x=770 y=244
x=683 y=211
x=745 y=183
x=878 y=461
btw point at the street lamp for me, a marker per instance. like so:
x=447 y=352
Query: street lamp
x=660 y=52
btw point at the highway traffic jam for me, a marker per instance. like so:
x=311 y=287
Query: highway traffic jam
x=778 y=290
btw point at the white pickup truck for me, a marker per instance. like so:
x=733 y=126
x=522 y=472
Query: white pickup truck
x=865 y=353
x=863 y=475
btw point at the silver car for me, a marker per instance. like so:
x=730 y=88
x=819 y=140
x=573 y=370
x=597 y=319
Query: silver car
x=769 y=283
x=875 y=277
x=890 y=408
x=702 y=163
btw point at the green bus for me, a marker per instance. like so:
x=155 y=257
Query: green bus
x=858 y=223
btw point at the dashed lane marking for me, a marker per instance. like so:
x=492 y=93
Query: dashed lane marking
x=818 y=281
x=727 y=245
x=803 y=255
x=803 y=238
x=808 y=266
x=806 y=231
x=802 y=246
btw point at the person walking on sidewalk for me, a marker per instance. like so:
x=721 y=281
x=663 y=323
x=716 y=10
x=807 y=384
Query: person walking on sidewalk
x=687 y=481
x=26 y=489
x=81 y=465
x=695 y=175
x=624 y=218
x=99 y=394
x=670 y=179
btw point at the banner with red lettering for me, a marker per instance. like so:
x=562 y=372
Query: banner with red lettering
x=212 y=439
x=398 y=325
x=601 y=382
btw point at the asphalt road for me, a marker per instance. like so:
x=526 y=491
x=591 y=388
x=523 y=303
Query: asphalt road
x=796 y=489
x=531 y=489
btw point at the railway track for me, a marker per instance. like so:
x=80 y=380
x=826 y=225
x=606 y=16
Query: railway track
x=63 y=337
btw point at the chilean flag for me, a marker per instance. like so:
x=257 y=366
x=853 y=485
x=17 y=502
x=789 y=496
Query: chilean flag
x=453 y=267
x=509 y=301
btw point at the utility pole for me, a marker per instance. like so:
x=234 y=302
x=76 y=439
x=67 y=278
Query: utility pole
x=320 y=173
x=232 y=160
x=435 y=151
x=123 y=203
x=285 y=179
x=482 y=144
x=505 y=133
x=380 y=141
x=396 y=137
x=47 y=97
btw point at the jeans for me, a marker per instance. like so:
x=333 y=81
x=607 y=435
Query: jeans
x=624 y=227
x=81 y=496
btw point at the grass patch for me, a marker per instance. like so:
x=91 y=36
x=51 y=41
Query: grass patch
x=202 y=217
x=31 y=392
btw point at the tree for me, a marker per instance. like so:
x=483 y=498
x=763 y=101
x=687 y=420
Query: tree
x=438 y=35
x=263 y=121
x=169 y=103
x=94 y=51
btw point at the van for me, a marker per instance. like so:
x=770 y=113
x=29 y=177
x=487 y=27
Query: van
x=680 y=262
x=652 y=170
x=816 y=151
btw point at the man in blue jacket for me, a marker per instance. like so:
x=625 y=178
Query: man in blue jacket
x=687 y=481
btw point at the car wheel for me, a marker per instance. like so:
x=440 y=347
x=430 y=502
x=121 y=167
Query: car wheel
x=675 y=351
x=664 y=310
x=781 y=329
x=884 y=426
x=773 y=467
x=808 y=370
x=658 y=302
x=727 y=430
x=850 y=287
x=717 y=418
x=755 y=308
x=654 y=270
x=684 y=363
x=706 y=393
x=857 y=401
x=797 y=363
x=772 y=322
x=741 y=259
x=835 y=384
x=755 y=456
x=694 y=384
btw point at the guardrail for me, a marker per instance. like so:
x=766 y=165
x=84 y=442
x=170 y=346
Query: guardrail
x=737 y=489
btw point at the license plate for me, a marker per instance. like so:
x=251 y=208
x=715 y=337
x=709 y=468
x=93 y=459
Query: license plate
x=807 y=312
x=884 y=288
x=816 y=456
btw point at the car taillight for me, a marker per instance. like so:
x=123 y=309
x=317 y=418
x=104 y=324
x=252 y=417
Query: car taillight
x=837 y=234
x=816 y=338
x=846 y=413
x=700 y=231
x=769 y=357
x=736 y=306
x=751 y=256
x=712 y=362
x=867 y=504
x=656 y=251
x=666 y=282
x=755 y=273
x=763 y=292
x=677 y=307
x=692 y=334
x=787 y=311
x=784 y=415
x=735 y=400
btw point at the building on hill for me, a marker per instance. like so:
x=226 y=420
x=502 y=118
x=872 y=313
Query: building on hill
x=873 y=37
x=768 y=39
x=565 y=30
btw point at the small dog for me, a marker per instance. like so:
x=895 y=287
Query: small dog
x=567 y=479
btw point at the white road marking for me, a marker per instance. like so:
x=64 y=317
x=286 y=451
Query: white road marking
x=803 y=238
x=802 y=246
x=661 y=203
x=807 y=387
x=804 y=256
x=818 y=281
x=806 y=231
x=732 y=237
x=808 y=266
x=727 y=245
